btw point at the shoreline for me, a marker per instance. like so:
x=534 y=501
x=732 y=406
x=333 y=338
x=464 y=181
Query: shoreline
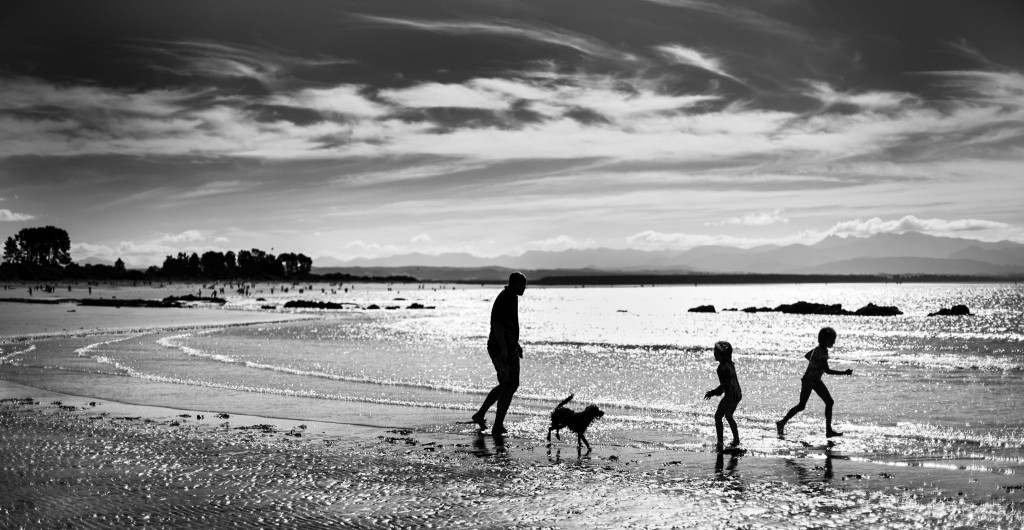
x=390 y=465
x=76 y=461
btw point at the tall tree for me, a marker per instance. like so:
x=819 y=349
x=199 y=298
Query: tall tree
x=45 y=245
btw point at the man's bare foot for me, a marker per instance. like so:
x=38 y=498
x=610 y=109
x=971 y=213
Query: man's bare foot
x=480 y=421
x=735 y=443
x=780 y=428
x=832 y=434
x=499 y=430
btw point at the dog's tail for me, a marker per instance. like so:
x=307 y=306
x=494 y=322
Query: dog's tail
x=566 y=400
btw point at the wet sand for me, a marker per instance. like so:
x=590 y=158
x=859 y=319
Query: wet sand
x=69 y=460
x=85 y=462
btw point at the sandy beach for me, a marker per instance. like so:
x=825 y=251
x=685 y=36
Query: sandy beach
x=83 y=461
x=73 y=462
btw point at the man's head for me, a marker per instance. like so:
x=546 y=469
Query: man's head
x=517 y=282
x=827 y=337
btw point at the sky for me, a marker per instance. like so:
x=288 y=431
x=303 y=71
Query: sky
x=348 y=129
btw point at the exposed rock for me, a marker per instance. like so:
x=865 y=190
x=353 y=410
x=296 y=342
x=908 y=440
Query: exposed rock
x=373 y=306
x=194 y=298
x=955 y=311
x=753 y=309
x=702 y=309
x=809 y=308
x=872 y=310
x=309 y=304
x=115 y=302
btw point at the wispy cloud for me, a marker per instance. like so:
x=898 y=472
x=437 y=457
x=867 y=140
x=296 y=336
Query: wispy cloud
x=7 y=215
x=209 y=59
x=910 y=223
x=691 y=57
x=188 y=236
x=776 y=216
x=516 y=29
x=655 y=240
x=872 y=100
x=142 y=253
x=344 y=100
x=562 y=242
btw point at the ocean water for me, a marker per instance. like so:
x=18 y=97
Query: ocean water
x=927 y=392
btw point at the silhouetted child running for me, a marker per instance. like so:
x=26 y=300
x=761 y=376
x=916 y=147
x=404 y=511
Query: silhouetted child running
x=816 y=367
x=729 y=386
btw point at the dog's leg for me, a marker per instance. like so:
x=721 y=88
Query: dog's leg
x=549 y=435
x=584 y=440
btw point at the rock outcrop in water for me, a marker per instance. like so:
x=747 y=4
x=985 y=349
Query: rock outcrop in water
x=872 y=310
x=133 y=302
x=702 y=309
x=194 y=298
x=811 y=308
x=310 y=304
x=955 y=311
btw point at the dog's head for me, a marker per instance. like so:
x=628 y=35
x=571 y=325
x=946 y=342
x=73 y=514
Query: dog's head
x=593 y=412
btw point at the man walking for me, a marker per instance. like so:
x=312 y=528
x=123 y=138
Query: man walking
x=505 y=352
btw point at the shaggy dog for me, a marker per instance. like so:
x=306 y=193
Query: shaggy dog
x=576 y=422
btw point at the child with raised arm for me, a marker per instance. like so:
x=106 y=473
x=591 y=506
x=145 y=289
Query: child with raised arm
x=816 y=367
x=729 y=386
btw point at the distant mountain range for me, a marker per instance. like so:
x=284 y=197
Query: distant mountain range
x=884 y=254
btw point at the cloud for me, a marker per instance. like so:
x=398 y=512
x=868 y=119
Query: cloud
x=874 y=100
x=341 y=100
x=429 y=95
x=910 y=223
x=695 y=58
x=1004 y=88
x=517 y=29
x=755 y=219
x=422 y=238
x=143 y=253
x=220 y=61
x=561 y=242
x=7 y=215
x=654 y=240
x=210 y=189
x=188 y=236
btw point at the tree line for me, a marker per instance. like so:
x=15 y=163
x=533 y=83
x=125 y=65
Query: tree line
x=246 y=264
x=44 y=253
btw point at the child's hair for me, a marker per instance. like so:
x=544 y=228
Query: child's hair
x=723 y=350
x=826 y=333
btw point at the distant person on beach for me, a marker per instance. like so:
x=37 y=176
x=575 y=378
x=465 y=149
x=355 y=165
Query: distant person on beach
x=729 y=387
x=505 y=352
x=816 y=367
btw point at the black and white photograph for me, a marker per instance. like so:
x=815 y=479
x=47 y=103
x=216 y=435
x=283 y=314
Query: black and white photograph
x=487 y=264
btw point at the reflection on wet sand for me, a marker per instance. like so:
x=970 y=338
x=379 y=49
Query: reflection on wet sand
x=727 y=473
x=818 y=474
x=497 y=449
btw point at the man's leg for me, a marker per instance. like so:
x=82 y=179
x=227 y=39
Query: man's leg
x=494 y=394
x=509 y=384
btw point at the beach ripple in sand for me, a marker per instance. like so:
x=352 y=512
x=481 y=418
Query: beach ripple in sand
x=61 y=467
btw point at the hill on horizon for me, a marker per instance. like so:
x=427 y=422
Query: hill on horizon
x=908 y=253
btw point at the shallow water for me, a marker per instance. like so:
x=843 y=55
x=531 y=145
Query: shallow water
x=929 y=393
